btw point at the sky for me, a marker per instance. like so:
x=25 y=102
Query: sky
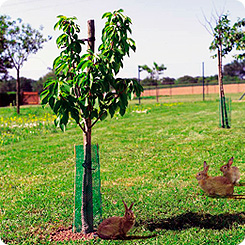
x=169 y=32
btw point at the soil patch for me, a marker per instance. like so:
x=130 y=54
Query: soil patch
x=65 y=234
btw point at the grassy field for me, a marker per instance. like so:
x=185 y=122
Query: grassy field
x=149 y=156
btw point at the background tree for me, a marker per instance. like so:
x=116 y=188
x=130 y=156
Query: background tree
x=86 y=88
x=154 y=73
x=9 y=84
x=235 y=68
x=38 y=85
x=20 y=40
x=187 y=80
x=168 y=81
x=225 y=39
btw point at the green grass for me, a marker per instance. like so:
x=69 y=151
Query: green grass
x=149 y=156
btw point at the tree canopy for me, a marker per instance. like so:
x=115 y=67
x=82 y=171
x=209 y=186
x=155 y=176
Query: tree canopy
x=229 y=36
x=86 y=84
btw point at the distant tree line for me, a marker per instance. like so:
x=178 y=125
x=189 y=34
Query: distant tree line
x=234 y=72
x=26 y=84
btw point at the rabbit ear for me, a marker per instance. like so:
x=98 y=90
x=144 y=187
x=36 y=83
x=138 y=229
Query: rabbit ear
x=125 y=205
x=230 y=161
x=130 y=208
x=205 y=166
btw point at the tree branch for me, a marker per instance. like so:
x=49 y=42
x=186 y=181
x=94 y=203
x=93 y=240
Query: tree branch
x=80 y=125
x=97 y=119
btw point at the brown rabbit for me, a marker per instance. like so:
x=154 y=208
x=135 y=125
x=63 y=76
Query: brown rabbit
x=231 y=173
x=218 y=185
x=117 y=227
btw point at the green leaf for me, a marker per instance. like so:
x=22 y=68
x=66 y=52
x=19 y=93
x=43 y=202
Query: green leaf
x=84 y=64
x=64 y=119
x=112 y=109
x=44 y=96
x=123 y=100
x=57 y=61
x=51 y=102
x=61 y=39
x=75 y=115
x=57 y=106
x=122 y=111
x=106 y=15
x=104 y=115
x=96 y=104
x=48 y=83
x=65 y=88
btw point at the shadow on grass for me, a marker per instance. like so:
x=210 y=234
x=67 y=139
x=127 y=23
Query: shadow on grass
x=234 y=196
x=134 y=237
x=191 y=219
x=240 y=184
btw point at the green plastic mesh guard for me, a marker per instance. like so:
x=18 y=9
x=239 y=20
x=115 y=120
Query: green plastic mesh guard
x=97 y=206
x=225 y=112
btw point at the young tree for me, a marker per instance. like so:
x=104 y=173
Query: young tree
x=226 y=38
x=155 y=73
x=20 y=40
x=87 y=89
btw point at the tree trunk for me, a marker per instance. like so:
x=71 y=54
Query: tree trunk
x=18 y=91
x=157 y=93
x=223 y=109
x=87 y=194
x=220 y=73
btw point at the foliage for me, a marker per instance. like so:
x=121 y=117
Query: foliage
x=86 y=86
x=167 y=80
x=148 y=81
x=228 y=36
x=235 y=68
x=154 y=72
x=19 y=41
x=187 y=79
x=26 y=84
x=7 y=85
x=166 y=149
x=38 y=85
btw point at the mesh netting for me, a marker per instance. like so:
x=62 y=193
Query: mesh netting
x=225 y=112
x=97 y=206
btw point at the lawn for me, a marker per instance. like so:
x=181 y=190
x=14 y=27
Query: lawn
x=150 y=157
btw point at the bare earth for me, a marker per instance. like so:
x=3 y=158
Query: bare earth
x=211 y=89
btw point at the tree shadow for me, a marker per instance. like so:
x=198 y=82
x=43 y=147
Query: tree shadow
x=191 y=219
x=234 y=196
x=134 y=237
x=240 y=184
